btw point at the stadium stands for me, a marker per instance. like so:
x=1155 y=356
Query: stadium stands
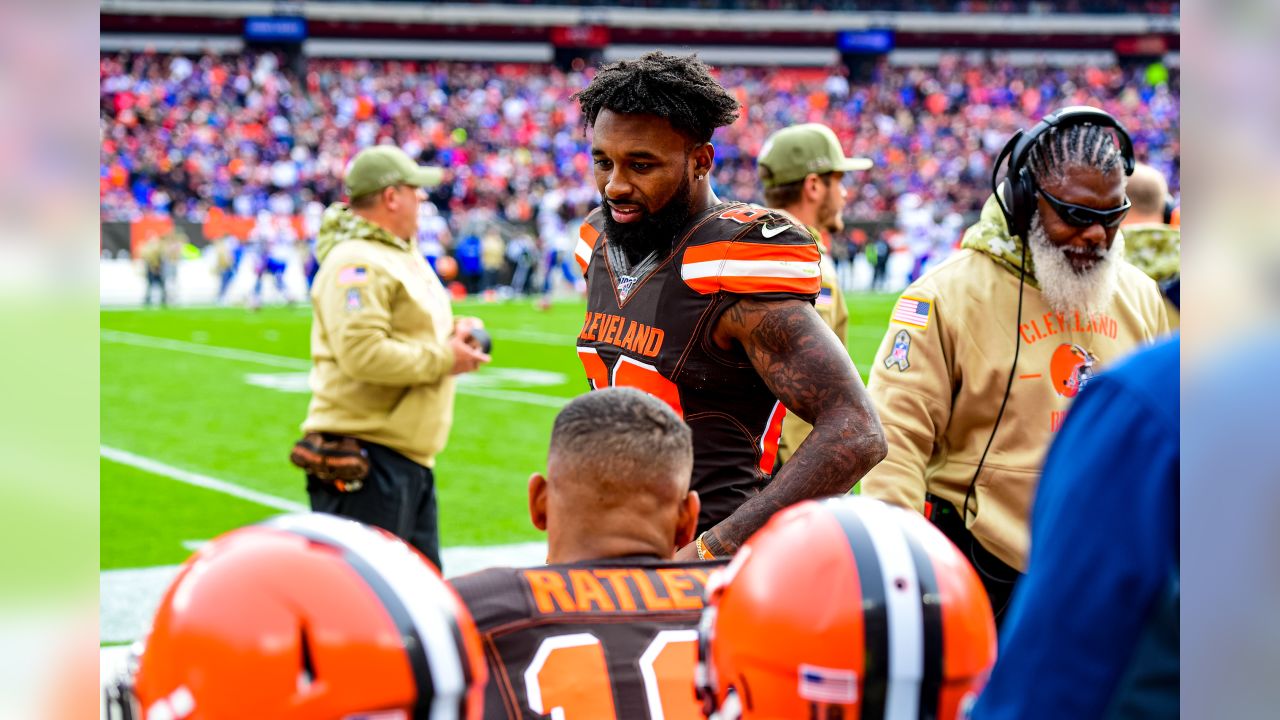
x=183 y=135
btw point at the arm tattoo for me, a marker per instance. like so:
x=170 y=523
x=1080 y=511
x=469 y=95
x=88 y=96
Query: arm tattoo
x=802 y=362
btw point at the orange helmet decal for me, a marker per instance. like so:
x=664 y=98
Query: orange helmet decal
x=1070 y=369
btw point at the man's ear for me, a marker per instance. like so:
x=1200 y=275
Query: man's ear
x=538 y=500
x=704 y=157
x=813 y=187
x=687 y=521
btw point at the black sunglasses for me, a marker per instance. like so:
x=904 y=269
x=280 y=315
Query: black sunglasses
x=1083 y=217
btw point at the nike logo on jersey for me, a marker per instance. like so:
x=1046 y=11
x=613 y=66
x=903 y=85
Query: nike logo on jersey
x=771 y=231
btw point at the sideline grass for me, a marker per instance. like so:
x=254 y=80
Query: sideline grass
x=203 y=414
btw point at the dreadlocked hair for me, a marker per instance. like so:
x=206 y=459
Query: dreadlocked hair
x=1073 y=146
x=677 y=88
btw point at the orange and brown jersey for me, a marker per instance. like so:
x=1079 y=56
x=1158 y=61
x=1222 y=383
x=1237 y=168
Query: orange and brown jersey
x=649 y=327
x=609 y=639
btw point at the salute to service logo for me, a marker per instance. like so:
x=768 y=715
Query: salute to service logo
x=898 y=355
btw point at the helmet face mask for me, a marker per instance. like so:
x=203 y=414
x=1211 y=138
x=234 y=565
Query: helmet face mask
x=306 y=616
x=848 y=606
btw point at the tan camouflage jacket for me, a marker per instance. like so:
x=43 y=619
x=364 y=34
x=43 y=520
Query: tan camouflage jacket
x=1156 y=249
x=379 y=340
x=942 y=368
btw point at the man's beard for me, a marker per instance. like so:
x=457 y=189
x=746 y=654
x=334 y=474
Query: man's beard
x=655 y=231
x=1067 y=289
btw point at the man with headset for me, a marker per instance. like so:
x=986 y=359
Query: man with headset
x=985 y=352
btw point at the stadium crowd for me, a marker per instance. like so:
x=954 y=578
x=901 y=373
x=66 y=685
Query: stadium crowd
x=183 y=135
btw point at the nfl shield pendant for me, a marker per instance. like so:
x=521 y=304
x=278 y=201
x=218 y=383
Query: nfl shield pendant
x=624 y=285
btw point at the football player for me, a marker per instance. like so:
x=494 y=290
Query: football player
x=709 y=304
x=608 y=629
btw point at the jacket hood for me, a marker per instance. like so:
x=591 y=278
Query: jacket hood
x=1155 y=249
x=339 y=224
x=990 y=236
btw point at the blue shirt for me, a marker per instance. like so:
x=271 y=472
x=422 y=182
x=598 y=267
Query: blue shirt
x=1104 y=545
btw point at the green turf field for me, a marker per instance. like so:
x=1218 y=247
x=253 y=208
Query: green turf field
x=219 y=394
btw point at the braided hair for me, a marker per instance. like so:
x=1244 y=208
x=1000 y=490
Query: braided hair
x=677 y=88
x=1073 y=146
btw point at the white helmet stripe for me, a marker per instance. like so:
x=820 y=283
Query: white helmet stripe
x=902 y=597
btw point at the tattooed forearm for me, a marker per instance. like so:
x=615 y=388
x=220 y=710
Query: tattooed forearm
x=802 y=362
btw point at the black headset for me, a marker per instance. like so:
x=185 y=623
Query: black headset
x=1018 y=196
x=1169 y=206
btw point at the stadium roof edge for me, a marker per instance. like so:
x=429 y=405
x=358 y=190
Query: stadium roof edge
x=544 y=15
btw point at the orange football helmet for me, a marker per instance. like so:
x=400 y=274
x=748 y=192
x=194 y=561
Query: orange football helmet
x=847 y=607
x=306 y=616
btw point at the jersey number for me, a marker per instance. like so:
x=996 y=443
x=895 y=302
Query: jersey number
x=745 y=215
x=569 y=677
x=630 y=373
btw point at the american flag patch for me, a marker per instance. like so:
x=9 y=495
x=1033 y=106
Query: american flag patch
x=824 y=296
x=828 y=685
x=352 y=275
x=912 y=311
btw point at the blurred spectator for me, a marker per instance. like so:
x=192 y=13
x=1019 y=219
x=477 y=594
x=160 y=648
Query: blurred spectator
x=522 y=256
x=227 y=253
x=493 y=259
x=153 y=264
x=878 y=255
x=434 y=238
x=470 y=267
x=274 y=243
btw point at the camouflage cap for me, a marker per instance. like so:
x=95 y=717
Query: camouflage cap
x=793 y=152
x=381 y=166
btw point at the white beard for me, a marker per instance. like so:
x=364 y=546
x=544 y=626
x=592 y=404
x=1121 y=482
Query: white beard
x=1063 y=287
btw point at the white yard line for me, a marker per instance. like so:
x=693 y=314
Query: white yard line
x=148 y=341
x=130 y=597
x=156 y=467
x=516 y=396
x=281 y=361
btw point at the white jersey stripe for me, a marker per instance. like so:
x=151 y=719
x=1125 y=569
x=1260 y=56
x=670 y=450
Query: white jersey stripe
x=750 y=268
x=583 y=252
